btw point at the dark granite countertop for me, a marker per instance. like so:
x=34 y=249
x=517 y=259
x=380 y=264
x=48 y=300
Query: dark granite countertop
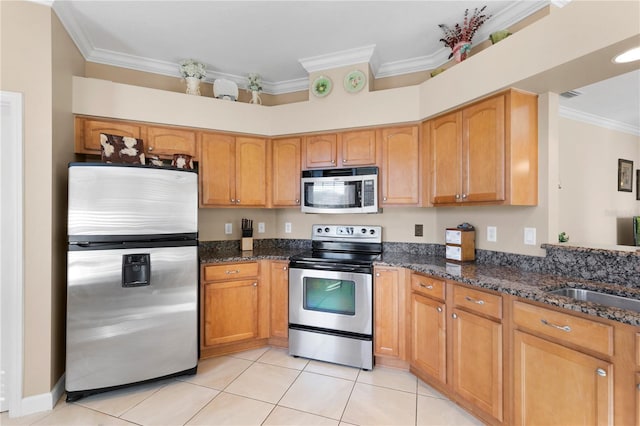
x=509 y=280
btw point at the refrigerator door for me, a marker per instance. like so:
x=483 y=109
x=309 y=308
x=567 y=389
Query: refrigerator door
x=120 y=202
x=132 y=315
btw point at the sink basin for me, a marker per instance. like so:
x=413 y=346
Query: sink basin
x=600 y=298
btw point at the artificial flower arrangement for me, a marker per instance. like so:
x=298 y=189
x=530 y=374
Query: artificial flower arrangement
x=255 y=83
x=465 y=32
x=192 y=68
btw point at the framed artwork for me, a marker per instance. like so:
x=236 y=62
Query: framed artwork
x=625 y=175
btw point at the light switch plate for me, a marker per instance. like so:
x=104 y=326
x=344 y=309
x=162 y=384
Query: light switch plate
x=492 y=234
x=287 y=227
x=260 y=227
x=530 y=236
x=228 y=228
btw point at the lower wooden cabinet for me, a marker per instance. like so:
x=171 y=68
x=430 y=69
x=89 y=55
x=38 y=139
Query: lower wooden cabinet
x=477 y=361
x=428 y=336
x=389 y=307
x=234 y=311
x=556 y=385
x=279 y=283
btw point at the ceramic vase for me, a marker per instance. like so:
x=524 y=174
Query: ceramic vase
x=193 y=85
x=255 y=98
x=461 y=50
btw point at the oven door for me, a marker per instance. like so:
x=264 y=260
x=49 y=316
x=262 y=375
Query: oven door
x=331 y=300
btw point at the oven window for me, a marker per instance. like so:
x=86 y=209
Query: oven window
x=330 y=295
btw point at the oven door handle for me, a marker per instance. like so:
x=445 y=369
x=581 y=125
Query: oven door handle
x=328 y=267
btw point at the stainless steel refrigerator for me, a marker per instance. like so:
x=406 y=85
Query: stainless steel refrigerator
x=132 y=276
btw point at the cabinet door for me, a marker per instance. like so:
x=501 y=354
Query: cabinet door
x=428 y=336
x=321 y=151
x=230 y=311
x=555 y=385
x=483 y=170
x=387 y=315
x=286 y=172
x=358 y=148
x=166 y=141
x=279 y=299
x=400 y=166
x=445 y=148
x=477 y=361
x=87 y=138
x=217 y=170
x=251 y=172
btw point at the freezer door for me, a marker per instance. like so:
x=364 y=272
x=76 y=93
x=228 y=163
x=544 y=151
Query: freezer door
x=131 y=315
x=118 y=200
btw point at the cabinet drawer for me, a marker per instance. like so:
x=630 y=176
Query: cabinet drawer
x=230 y=271
x=568 y=328
x=427 y=286
x=478 y=301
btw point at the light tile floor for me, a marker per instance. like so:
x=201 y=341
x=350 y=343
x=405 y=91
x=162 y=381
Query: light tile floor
x=264 y=387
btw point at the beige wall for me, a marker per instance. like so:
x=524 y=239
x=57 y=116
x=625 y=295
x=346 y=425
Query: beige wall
x=590 y=204
x=39 y=63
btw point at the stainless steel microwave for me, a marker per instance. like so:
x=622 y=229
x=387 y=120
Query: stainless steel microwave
x=353 y=190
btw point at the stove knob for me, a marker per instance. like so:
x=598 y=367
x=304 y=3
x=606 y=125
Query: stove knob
x=326 y=229
x=373 y=231
x=319 y=231
x=363 y=230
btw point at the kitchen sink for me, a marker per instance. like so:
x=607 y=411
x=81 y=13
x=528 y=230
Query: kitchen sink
x=600 y=298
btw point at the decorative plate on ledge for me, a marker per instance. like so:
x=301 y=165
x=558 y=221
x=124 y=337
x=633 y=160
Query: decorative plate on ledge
x=321 y=86
x=354 y=81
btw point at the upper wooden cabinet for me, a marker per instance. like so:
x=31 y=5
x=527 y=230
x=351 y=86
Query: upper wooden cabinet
x=285 y=175
x=233 y=171
x=87 y=133
x=400 y=169
x=161 y=141
x=486 y=153
x=167 y=141
x=348 y=149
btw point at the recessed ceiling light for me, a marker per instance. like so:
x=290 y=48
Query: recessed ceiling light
x=628 y=56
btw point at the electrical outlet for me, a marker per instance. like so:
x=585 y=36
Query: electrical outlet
x=228 y=228
x=530 y=236
x=260 y=227
x=492 y=234
x=418 y=232
x=287 y=227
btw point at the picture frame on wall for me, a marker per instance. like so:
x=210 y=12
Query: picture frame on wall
x=625 y=175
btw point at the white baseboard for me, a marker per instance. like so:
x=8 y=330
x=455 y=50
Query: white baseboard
x=38 y=403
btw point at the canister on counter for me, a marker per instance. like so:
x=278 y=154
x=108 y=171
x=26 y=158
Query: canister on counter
x=460 y=243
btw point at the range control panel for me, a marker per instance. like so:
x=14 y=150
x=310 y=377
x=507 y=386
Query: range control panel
x=363 y=233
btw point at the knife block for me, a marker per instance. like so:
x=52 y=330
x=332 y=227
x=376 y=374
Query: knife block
x=247 y=243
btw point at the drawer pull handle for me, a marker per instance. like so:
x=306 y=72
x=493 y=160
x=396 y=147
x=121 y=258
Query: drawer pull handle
x=428 y=287
x=601 y=372
x=559 y=327
x=476 y=301
x=237 y=271
x=439 y=309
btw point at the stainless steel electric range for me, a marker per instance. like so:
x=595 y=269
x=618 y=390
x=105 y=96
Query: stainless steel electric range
x=331 y=295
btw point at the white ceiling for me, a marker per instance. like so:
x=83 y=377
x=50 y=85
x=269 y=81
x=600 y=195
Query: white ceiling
x=285 y=40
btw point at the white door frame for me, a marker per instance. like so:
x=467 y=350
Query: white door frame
x=11 y=250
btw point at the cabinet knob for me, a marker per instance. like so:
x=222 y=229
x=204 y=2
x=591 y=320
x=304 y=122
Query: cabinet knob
x=150 y=149
x=297 y=201
x=344 y=161
x=601 y=372
x=238 y=201
x=377 y=274
x=454 y=316
x=233 y=200
x=284 y=268
x=439 y=309
x=464 y=196
x=333 y=162
x=384 y=198
x=255 y=284
x=457 y=196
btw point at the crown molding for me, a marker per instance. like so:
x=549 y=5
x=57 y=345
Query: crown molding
x=597 y=120
x=339 y=59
